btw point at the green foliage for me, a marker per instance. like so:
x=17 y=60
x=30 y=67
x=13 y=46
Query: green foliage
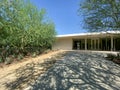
x=34 y=54
x=114 y=58
x=8 y=60
x=20 y=57
x=101 y=15
x=110 y=56
x=1 y=60
x=24 y=28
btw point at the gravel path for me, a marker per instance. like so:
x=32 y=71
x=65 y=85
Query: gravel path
x=80 y=71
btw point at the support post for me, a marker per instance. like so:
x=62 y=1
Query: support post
x=106 y=44
x=85 y=44
x=95 y=43
x=101 y=45
x=114 y=44
x=98 y=44
x=91 y=43
x=111 y=43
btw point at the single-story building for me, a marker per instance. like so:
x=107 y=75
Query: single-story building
x=106 y=41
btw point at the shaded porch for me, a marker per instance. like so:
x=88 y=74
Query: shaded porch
x=109 y=43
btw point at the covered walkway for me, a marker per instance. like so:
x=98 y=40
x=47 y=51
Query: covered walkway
x=100 y=41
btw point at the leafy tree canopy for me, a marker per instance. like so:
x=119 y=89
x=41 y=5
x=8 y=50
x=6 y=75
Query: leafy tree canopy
x=101 y=15
x=23 y=25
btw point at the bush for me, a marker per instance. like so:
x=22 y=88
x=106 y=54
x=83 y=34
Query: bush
x=1 y=60
x=110 y=56
x=20 y=57
x=8 y=60
x=34 y=54
x=24 y=30
x=114 y=58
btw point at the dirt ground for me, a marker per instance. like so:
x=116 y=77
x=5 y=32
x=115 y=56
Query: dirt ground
x=80 y=70
x=16 y=75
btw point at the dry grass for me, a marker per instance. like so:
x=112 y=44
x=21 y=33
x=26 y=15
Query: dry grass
x=18 y=76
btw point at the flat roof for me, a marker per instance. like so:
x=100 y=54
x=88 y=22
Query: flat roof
x=85 y=34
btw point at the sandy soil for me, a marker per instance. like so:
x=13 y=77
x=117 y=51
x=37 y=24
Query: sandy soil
x=8 y=73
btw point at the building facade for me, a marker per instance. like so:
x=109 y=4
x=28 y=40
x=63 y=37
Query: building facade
x=103 y=41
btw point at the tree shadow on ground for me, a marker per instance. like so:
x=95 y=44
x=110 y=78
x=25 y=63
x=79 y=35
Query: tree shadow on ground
x=80 y=71
x=28 y=74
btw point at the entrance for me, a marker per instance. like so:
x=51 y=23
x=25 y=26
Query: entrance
x=105 y=44
x=79 y=44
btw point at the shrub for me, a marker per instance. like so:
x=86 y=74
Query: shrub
x=34 y=54
x=20 y=57
x=1 y=60
x=114 y=58
x=24 y=29
x=8 y=60
x=110 y=56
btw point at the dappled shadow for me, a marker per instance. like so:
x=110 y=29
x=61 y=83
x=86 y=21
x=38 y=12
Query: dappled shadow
x=80 y=71
x=28 y=74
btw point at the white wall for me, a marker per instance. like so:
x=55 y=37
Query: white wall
x=63 y=43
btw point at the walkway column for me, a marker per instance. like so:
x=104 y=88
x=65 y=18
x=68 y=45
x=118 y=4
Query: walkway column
x=106 y=44
x=101 y=44
x=95 y=43
x=85 y=44
x=114 y=44
x=111 y=43
x=98 y=44
x=91 y=43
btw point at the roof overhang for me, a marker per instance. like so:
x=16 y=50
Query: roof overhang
x=89 y=34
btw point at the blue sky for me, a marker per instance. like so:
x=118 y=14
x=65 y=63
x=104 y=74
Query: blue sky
x=63 y=13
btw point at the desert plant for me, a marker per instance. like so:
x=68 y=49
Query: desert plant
x=34 y=54
x=23 y=29
x=110 y=56
x=114 y=58
x=8 y=60
x=1 y=60
x=117 y=58
x=20 y=57
x=118 y=55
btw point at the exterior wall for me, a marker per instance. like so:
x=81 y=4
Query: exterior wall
x=63 y=43
x=104 y=42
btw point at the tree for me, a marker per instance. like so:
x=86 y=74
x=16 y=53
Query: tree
x=24 y=26
x=100 y=15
